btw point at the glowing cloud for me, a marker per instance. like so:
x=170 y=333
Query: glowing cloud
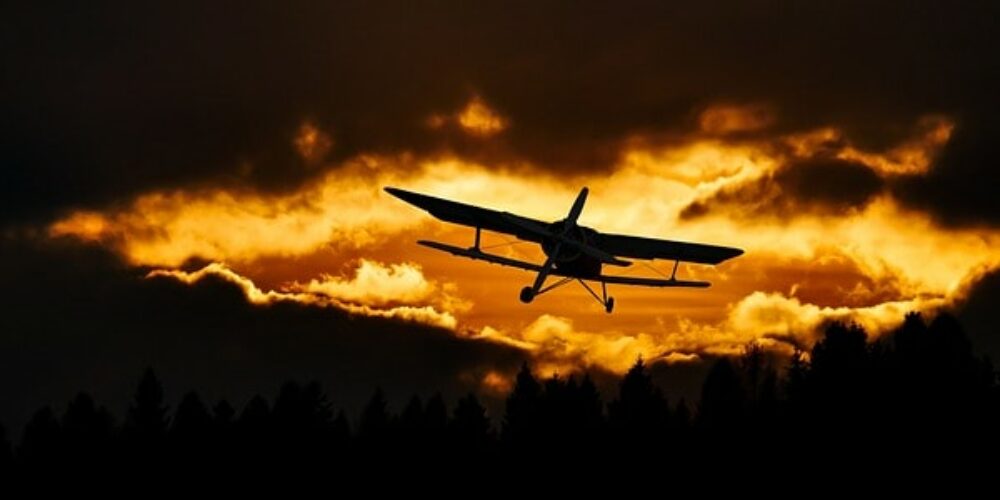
x=728 y=118
x=478 y=119
x=312 y=143
x=912 y=157
x=376 y=284
x=418 y=313
x=882 y=259
x=559 y=348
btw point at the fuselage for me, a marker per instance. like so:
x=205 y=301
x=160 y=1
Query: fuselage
x=571 y=260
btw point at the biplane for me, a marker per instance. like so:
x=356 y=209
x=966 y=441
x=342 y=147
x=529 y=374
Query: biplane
x=573 y=252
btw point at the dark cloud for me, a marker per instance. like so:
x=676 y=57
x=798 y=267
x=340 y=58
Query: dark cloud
x=75 y=318
x=823 y=185
x=962 y=188
x=101 y=100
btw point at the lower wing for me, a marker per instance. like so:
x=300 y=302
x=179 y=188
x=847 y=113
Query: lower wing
x=473 y=253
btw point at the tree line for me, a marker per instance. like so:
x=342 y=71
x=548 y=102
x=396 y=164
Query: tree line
x=920 y=386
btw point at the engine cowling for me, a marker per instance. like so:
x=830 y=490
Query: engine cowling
x=570 y=259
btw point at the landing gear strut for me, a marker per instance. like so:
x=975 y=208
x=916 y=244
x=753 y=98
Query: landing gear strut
x=528 y=293
x=604 y=299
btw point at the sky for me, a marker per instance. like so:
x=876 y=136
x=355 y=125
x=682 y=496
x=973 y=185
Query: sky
x=199 y=186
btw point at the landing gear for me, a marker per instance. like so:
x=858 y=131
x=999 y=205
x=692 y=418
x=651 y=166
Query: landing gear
x=529 y=293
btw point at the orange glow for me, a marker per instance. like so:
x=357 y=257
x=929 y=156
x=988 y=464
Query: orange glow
x=912 y=157
x=88 y=226
x=312 y=144
x=478 y=119
x=870 y=265
x=728 y=118
x=496 y=383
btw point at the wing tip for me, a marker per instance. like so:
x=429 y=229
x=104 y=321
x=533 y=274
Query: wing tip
x=407 y=196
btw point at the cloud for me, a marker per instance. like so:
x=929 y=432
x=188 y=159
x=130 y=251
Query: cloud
x=478 y=119
x=771 y=320
x=557 y=347
x=730 y=118
x=870 y=252
x=374 y=283
x=91 y=127
x=365 y=295
x=312 y=143
x=822 y=185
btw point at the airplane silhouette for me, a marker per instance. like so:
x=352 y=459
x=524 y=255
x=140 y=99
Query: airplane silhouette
x=573 y=252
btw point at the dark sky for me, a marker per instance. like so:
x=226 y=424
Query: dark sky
x=106 y=99
x=103 y=101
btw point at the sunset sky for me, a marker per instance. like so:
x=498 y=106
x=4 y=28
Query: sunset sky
x=847 y=147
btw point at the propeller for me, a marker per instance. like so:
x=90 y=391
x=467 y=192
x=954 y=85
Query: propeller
x=563 y=239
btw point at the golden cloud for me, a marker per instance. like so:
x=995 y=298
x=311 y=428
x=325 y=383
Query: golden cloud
x=407 y=291
x=728 y=118
x=912 y=157
x=907 y=261
x=479 y=119
x=557 y=347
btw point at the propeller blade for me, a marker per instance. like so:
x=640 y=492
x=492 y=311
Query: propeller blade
x=574 y=213
x=583 y=248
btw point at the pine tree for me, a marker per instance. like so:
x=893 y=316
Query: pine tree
x=470 y=427
x=640 y=414
x=521 y=421
x=147 y=421
x=86 y=431
x=40 y=439
x=374 y=424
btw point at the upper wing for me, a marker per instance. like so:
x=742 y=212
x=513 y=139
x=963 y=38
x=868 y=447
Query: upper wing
x=637 y=247
x=471 y=215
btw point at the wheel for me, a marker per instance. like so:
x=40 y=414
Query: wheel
x=609 y=305
x=527 y=295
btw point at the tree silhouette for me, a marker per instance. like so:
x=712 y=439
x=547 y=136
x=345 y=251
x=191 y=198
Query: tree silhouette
x=435 y=419
x=341 y=429
x=639 y=416
x=191 y=429
x=40 y=441
x=254 y=431
x=147 y=416
x=919 y=388
x=6 y=454
x=588 y=409
x=223 y=441
x=521 y=421
x=374 y=426
x=87 y=431
x=223 y=414
x=470 y=428
x=411 y=424
x=723 y=399
x=302 y=419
